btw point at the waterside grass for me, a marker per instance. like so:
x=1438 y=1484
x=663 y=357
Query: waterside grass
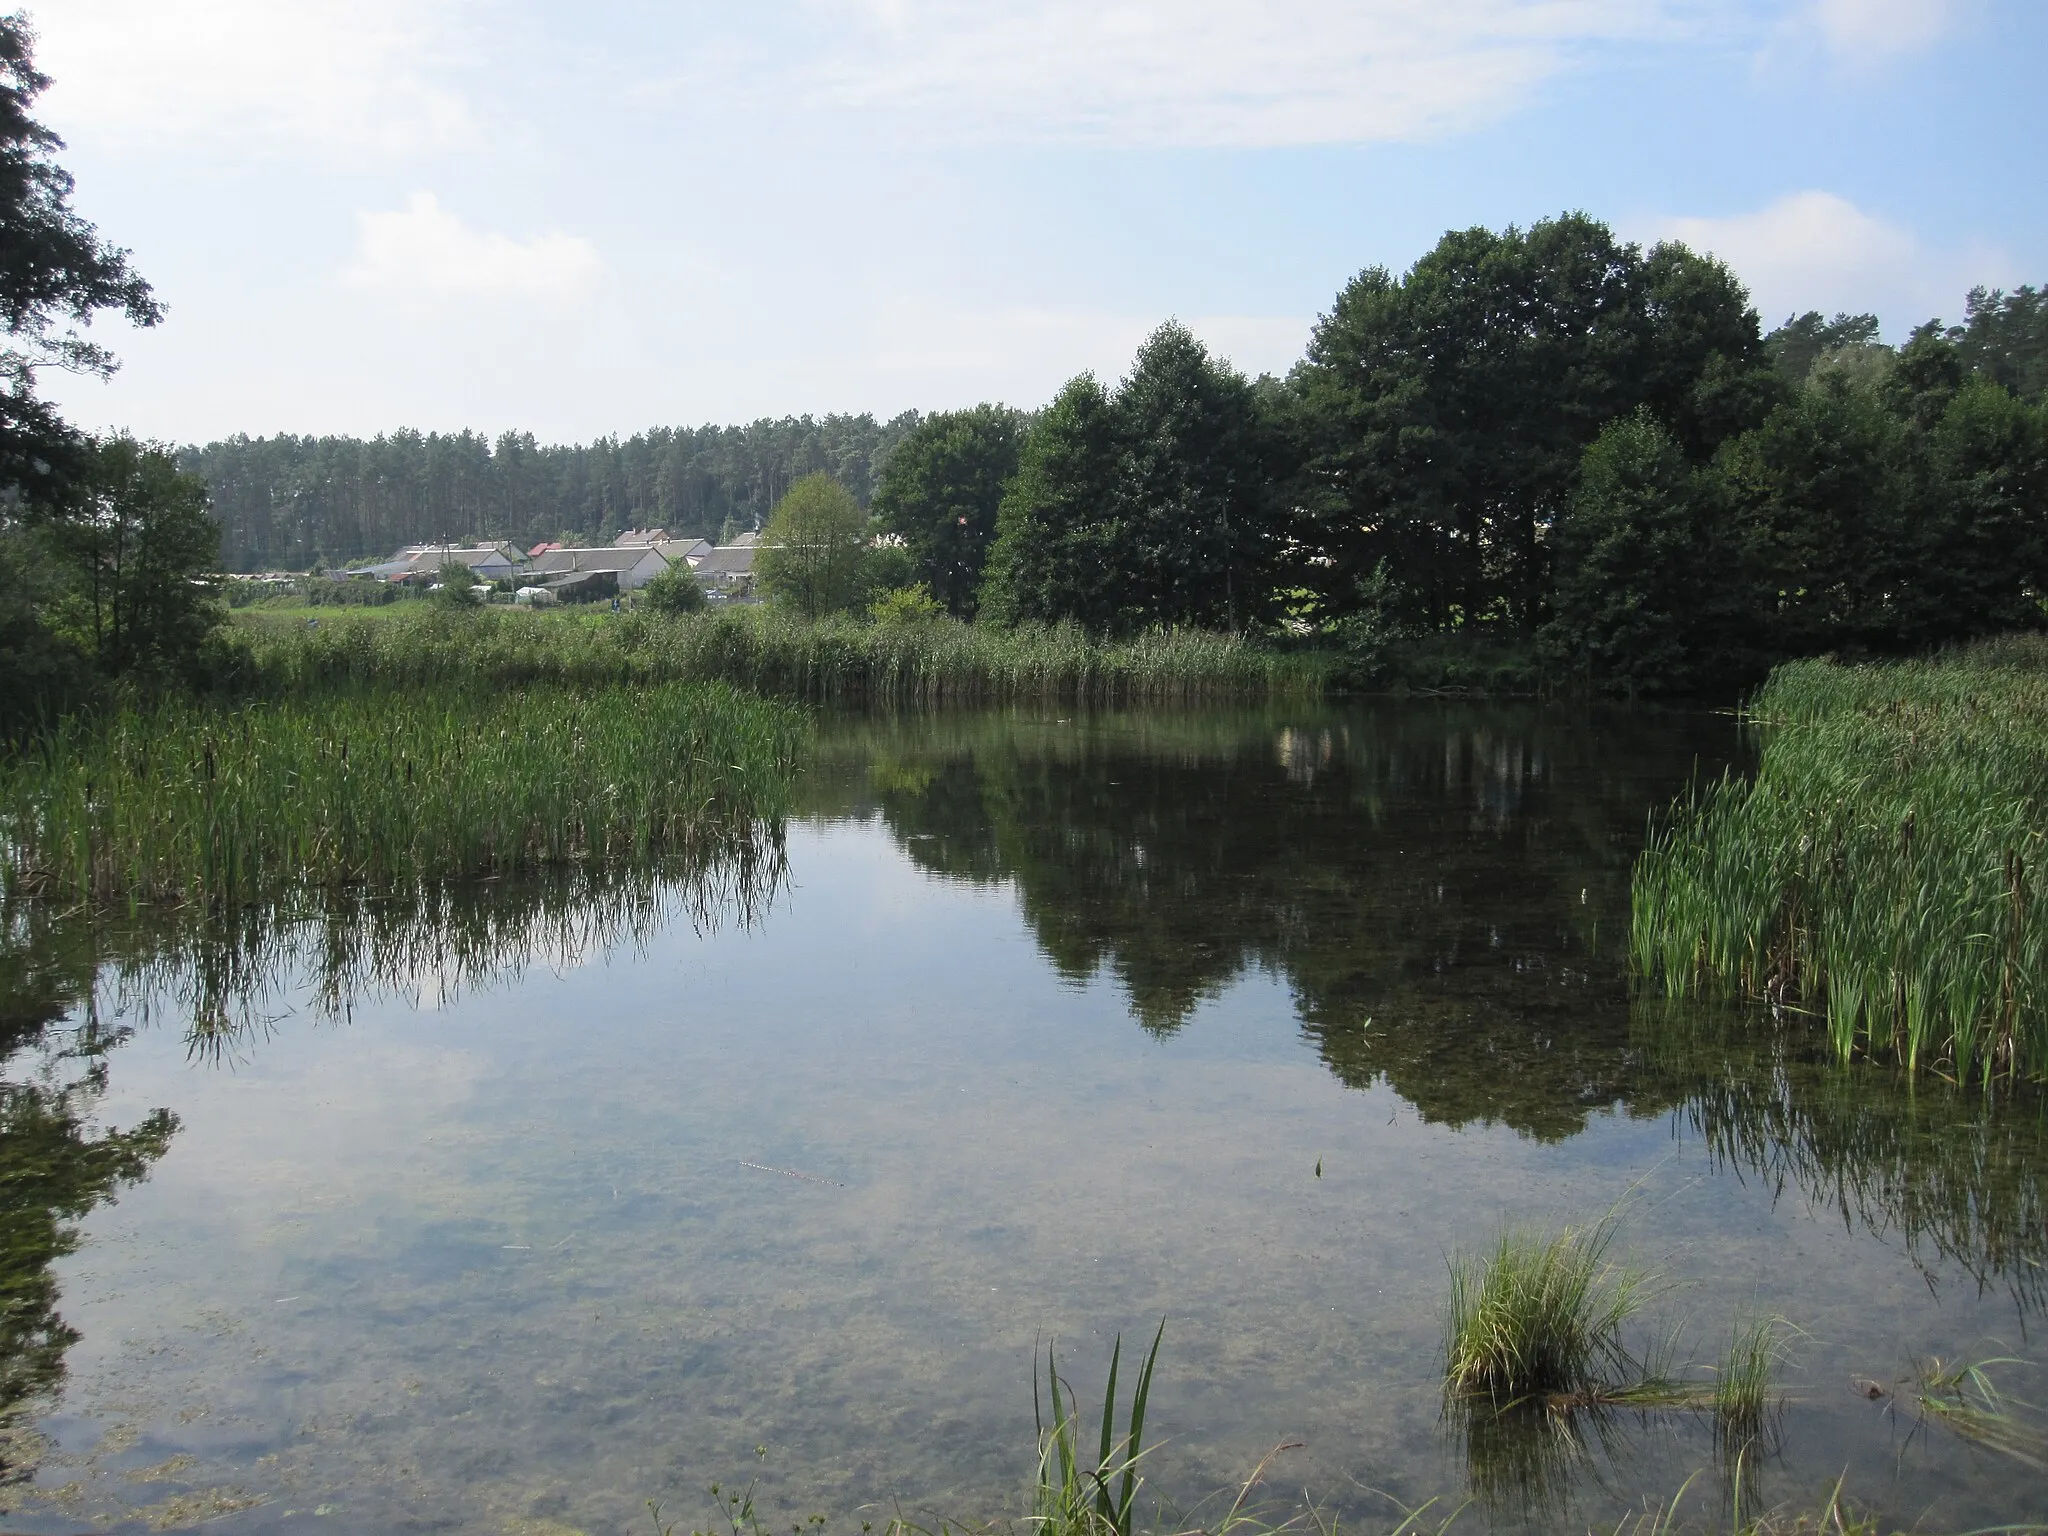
x=192 y=801
x=767 y=650
x=1540 y=1317
x=1883 y=869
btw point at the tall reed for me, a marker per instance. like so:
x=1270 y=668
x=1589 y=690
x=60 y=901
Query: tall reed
x=192 y=801
x=938 y=660
x=1884 y=866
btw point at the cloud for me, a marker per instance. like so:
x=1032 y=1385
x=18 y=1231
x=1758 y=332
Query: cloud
x=423 y=249
x=1880 y=29
x=343 y=78
x=1815 y=250
x=1184 y=72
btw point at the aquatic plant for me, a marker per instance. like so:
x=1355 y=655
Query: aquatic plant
x=1962 y=1396
x=1541 y=1316
x=767 y=650
x=188 y=801
x=1883 y=867
x=1744 y=1380
x=1073 y=1496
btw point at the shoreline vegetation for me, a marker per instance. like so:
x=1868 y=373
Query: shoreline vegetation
x=200 y=801
x=764 y=649
x=1883 y=871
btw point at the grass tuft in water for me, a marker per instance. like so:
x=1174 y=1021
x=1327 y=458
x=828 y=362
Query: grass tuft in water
x=1963 y=1398
x=1541 y=1316
x=1073 y=1496
x=1745 y=1380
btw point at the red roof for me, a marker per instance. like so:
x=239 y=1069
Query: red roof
x=541 y=549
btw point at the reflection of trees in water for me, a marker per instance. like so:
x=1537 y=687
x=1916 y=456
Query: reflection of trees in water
x=1951 y=1173
x=223 y=977
x=1445 y=891
x=1429 y=881
x=56 y=1164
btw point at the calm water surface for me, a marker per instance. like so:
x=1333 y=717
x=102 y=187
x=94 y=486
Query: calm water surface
x=512 y=1213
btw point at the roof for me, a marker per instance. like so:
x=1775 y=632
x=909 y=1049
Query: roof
x=611 y=559
x=691 y=550
x=727 y=560
x=542 y=548
x=641 y=537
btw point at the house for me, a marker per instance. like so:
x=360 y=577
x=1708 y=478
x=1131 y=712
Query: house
x=689 y=551
x=542 y=548
x=486 y=562
x=640 y=538
x=632 y=567
x=728 y=571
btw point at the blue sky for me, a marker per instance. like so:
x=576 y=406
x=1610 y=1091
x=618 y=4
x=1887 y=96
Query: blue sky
x=367 y=214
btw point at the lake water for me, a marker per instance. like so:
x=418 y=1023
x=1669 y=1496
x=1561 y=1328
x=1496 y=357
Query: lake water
x=512 y=1213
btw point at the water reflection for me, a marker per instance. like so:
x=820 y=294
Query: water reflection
x=1438 y=893
x=1434 y=885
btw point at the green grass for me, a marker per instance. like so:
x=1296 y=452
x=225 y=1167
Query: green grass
x=1746 y=1378
x=1074 y=1496
x=1962 y=1397
x=1540 y=1317
x=759 y=648
x=190 y=801
x=1884 y=870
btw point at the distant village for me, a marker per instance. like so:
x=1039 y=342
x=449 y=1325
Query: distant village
x=551 y=573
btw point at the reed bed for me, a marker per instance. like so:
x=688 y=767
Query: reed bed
x=190 y=801
x=768 y=651
x=1883 y=869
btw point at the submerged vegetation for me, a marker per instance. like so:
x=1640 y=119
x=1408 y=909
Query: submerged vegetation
x=191 y=802
x=920 y=659
x=1884 y=869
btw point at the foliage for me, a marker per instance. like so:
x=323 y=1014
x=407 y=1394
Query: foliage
x=286 y=502
x=136 y=551
x=2004 y=336
x=811 y=552
x=196 y=802
x=56 y=274
x=1884 y=866
x=455 y=586
x=905 y=605
x=675 y=590
x=1140 y=507
x=1441 y=416
x=939 y=491
x=1804 y=340
x=771 y=651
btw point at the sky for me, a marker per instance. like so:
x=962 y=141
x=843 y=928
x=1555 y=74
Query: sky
x=582 y=221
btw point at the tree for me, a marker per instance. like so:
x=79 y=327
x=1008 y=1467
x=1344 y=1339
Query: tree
x=1056 y=527
x=1640 y=582
x=55 y=275
x=1142 y=507
x=940 y=491
x=1804 y=340
x=2005 y=336
x=138 y=550
x=811 y=552
x=457 y=585
x=1449 y=408
x=675 y=590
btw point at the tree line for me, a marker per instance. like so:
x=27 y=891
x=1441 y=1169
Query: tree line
x=295 y=503
x=1548 y=436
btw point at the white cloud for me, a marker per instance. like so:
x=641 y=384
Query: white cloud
x=1815 y=250
x=253 y=78
x=423 y=249
x=1190 y=72
x=1877 y=29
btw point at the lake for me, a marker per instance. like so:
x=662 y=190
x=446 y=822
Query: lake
x=512 y=1209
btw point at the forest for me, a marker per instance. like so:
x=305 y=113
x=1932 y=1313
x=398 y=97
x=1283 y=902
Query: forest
x=294 y=503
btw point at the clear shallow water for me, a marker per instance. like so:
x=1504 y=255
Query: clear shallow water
x=504 y=1231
